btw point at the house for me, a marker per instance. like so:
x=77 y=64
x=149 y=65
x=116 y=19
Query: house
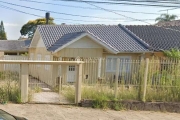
x=13 y=50
x=67 y=42
x=169 y=23
x=14 y=47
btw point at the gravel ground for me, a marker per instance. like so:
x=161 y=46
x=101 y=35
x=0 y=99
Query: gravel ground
x=60 y=112
x=49 y=97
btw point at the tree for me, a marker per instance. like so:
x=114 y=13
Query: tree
x=2 y=32
x=166 y=18
x=30 y=27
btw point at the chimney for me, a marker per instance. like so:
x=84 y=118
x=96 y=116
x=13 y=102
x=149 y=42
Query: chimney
x=47 y=17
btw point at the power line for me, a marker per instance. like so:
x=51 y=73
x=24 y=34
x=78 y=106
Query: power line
x=2 y=6
x=114 y=12
x=128 y=17
x=90 y=8
x=58 y=19
x=146 y=1
x=60 y=12
x=122 y=3
x=170 y=9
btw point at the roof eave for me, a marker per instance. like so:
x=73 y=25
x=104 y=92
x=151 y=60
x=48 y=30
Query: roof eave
x=109 y=49
x=135 y=51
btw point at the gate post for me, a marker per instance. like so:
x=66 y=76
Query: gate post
x=24 y=82
x=116 y=78
x=145 y=79
x=78 y=84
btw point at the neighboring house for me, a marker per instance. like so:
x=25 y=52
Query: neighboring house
x=66 y=42
x=159 y=38
x=169 y=23
x=13 y=50
x=14 y=47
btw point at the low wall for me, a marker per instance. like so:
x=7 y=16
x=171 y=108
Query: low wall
x=138 y=105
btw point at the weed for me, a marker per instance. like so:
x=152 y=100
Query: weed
x=37 y=89
x=118 y=106
x=9 y=89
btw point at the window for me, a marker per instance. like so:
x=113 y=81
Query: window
x=111 y=63
x=47 y=58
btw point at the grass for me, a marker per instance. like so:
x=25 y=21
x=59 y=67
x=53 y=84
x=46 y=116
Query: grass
x=10 y=94
x=69 y=93
x=37 y=89
x=163 y=85
x=100 y=95
x=9 y=87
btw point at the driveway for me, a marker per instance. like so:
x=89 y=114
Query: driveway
x=60 y=112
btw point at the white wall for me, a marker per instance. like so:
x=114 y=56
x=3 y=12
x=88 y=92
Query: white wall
x=40 y=43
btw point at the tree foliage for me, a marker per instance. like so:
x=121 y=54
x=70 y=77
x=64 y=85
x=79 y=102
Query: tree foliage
x=173 y=53
x=30 y=27
x=166 y=18
x=2 y=32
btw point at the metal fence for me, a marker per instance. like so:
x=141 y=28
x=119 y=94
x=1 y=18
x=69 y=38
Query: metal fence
x=150 y=80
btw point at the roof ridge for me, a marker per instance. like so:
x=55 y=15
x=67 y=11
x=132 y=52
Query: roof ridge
x=138 y=25
x=12 y=40
x=79 y=25
x=135 y=36
x=102 y=40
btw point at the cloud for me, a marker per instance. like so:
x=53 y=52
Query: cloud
x=11 y=25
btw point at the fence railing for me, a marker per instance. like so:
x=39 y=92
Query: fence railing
x=146 y=80
x=23 y=75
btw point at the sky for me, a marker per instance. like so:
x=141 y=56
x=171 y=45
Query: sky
x=14 y=19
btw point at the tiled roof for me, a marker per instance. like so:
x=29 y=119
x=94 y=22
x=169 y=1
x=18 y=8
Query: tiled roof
x=113 y=35
x=71 y=36
x=160 y=38
x=14 y=45
x=64 y=40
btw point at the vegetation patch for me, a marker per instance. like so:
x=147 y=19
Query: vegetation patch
x=9 y=87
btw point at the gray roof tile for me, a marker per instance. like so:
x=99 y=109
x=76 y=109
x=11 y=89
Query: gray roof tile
x=64 y=40
x=159 y=38
x=14 y=45
x=112 y=35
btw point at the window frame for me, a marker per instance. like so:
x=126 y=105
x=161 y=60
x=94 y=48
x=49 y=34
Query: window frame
x=112 y=64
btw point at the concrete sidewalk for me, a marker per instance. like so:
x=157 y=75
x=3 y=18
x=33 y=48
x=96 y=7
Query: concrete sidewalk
x=60 y=112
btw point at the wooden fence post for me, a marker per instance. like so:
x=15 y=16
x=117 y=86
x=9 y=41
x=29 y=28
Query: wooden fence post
x=99 y=67
x=117 y=76
x=78 y=84
x=145 y=79
x=24 y=83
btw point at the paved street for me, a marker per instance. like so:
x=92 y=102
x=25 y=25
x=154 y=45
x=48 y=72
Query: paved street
x=60 y=112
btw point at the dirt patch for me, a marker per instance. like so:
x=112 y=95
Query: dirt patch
x=48 y=97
